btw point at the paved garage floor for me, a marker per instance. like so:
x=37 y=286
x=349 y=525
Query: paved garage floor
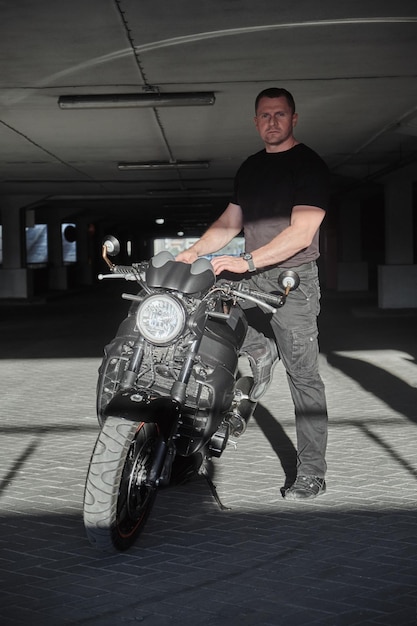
x=348 y=557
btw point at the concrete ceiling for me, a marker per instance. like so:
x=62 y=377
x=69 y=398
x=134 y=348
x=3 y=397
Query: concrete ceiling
x=351 y=66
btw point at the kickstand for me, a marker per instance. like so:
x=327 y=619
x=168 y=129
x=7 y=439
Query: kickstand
x=203 y=472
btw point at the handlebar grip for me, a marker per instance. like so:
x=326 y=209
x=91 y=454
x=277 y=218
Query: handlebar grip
x=277 y=300
x=124 y=269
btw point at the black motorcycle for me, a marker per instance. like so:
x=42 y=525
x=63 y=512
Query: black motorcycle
x=169 y=395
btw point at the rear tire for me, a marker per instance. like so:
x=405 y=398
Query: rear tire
x=117 y=500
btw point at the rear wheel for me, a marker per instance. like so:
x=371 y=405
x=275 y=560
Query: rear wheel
x=117 y=499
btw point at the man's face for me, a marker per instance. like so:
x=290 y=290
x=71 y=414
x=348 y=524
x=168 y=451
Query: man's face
x=275 y=122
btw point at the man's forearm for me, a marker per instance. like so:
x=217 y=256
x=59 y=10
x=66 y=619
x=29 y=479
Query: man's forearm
x=214 y=239
x=218 y=235
x=304 y=224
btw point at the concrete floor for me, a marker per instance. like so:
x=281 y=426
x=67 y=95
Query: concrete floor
x=348 y=557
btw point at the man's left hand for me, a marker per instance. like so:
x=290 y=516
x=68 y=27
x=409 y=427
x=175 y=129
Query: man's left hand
x=234 y=264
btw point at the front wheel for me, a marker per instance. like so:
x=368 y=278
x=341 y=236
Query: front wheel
x=117 y=498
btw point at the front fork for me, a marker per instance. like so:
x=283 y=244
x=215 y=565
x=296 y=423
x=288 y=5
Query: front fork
x=160 y=471
x=130 y=375
x=178 y=389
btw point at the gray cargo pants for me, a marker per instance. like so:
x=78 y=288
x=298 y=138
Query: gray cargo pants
x=295 y=329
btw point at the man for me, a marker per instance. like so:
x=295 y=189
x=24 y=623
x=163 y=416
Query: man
x=280 y=199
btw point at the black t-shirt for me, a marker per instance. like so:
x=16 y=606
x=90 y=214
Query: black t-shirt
x=267 y=187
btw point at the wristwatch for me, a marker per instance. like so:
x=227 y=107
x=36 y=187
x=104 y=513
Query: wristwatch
x=248 y=258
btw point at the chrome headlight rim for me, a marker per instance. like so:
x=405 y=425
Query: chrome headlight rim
x=161 y=318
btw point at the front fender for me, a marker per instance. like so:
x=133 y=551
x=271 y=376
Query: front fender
x=139 y=407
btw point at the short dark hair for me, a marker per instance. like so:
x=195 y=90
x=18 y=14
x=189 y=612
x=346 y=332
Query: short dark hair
x=275 y=92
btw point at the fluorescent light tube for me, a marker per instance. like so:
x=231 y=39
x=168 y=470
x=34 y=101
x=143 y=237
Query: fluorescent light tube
x=161 y=165
x=127 y=100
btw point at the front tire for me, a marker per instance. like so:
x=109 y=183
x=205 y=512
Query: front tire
x=117 y=500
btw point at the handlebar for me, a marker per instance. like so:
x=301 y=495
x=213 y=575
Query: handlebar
x=126 y=276
x=276 y=299
x=128 y=272
x=124 y=269
x=242 y=289
x=269 y=301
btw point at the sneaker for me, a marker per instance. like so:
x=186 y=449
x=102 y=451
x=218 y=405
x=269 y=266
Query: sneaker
x=305 y=487
x=262 y=361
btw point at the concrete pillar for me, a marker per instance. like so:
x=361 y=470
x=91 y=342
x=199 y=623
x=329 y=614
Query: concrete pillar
x=397 y=279
x=398 y=221
x=57 y=272
x=352 y=272
x=328 y=257
x=15 y=279
x=84 y=271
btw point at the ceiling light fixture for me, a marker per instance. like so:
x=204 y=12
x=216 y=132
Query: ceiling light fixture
x=127 y=100
x=170 y=193
x=162 y=165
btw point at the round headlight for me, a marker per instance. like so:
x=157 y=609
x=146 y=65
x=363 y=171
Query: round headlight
x=160 y=319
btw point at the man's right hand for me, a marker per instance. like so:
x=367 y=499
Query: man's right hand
x=187 y=256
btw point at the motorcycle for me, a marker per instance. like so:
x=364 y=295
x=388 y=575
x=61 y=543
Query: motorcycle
x=169 y=394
